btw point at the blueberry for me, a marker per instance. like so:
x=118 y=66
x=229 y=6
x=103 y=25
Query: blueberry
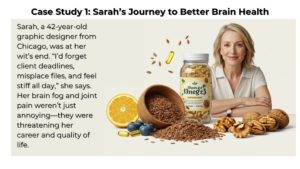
x=145 y=130
x=139 y=122
x=132 y=127
x=151 y=126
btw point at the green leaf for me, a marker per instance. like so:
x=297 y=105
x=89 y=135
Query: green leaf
x=204 y=85
x=182 y=80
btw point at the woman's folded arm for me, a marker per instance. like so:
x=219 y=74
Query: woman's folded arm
x=261 y=103
x=222 y=105
x=241 y=111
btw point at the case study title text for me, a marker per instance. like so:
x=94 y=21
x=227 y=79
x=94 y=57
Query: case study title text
x=148 y=12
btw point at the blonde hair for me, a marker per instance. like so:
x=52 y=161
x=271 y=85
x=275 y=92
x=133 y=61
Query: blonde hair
x=248 y=60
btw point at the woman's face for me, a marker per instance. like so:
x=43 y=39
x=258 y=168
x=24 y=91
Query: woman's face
x=233 y=49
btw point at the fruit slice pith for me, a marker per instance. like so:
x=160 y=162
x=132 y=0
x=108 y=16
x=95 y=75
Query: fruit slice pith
x=122 y=109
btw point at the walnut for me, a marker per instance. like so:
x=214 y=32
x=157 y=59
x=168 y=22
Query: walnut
x=232 y=128
x=256 y=127
x=226 y=122
x=239 y=129
x=220 y=127
x=281 y=117
x=250 y=116
x=269 y=122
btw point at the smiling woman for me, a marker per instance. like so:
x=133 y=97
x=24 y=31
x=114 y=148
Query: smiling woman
x=238 y=86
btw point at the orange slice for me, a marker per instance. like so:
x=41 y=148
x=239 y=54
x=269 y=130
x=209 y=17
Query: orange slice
x=122 y=109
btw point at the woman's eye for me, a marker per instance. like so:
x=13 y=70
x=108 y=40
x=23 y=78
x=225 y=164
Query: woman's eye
x=226 y=45
x=240 y=45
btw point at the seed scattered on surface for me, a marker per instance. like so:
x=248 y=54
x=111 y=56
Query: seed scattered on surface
x=146 y=139
x=152 y=58
x=202 y=142
x=214 y=139
x=159 y=63
x=168 y=41
x=170 y=71
x=188 y=41
x=196 y=144
x=153 y=62
x=187 y=37
x=161 y=140
x=152 y=142
x=179 y=43
x=186 y=131
x=148 y=72
x=206 y=141
x=220 y=138
x=154 y=54
x=172 y=142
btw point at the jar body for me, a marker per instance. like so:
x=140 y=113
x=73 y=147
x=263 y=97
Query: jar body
x=195 y=90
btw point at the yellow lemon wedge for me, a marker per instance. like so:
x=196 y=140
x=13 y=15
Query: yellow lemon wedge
x=122 y=109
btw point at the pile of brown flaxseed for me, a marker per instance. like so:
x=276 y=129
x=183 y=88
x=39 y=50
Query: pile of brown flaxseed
x=162 y=108
x=187 y=131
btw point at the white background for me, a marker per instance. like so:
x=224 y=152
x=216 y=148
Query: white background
x=21 y=10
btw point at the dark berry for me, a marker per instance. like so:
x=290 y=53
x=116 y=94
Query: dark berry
x=132 y=127
x=145 y=130
x=139 y=122
x=151 y=126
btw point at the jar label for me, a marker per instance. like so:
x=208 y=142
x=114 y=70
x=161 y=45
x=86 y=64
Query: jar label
x=196 y=93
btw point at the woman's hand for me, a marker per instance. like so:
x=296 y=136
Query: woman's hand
x=256 y=101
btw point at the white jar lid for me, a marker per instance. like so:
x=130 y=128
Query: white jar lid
x=196 y=56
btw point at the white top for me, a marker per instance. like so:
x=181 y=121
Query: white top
x=251 y=79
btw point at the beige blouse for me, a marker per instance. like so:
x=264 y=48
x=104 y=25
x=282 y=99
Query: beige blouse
x=251 y=79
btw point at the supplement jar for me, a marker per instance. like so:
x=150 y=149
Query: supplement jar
x=195 y=87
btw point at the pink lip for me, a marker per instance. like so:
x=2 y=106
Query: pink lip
x=232 y=57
